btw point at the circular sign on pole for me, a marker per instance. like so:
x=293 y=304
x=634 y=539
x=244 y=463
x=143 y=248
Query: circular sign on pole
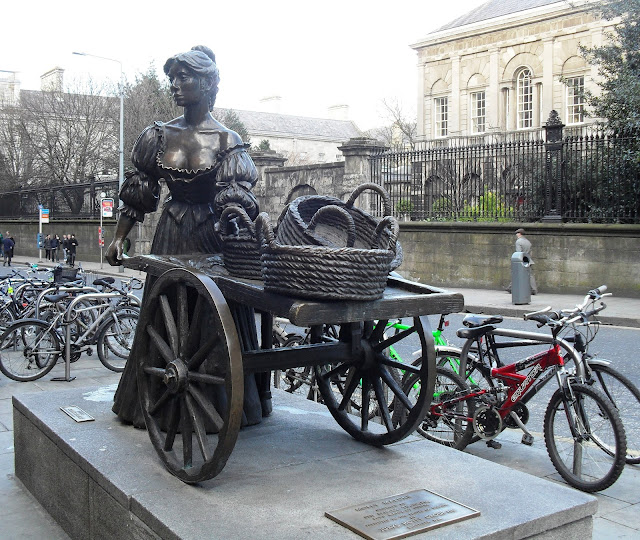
x=107 y=207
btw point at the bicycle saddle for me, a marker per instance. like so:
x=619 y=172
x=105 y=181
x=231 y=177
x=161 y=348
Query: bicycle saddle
x=53 y=298
x=473 y=321
x=105 y=281
x=476 y=331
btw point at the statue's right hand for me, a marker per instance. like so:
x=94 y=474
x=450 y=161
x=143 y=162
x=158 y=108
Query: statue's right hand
x=114 y=252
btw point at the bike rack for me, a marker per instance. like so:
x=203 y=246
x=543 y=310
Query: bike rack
x=67 y=331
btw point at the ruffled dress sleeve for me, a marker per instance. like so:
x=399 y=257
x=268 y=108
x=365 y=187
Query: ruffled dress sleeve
x=140 y=191
x=235 y=177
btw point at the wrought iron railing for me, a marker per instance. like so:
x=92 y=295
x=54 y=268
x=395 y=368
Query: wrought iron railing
x=545 y=175
x=75 y=201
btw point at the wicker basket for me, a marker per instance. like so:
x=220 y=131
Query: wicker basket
x=293 y=226
x=327 y=273
x=240 y=247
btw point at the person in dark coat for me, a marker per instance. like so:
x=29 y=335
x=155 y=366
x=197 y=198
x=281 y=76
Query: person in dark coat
x=73 y=244
x=8 y=244
x=55 y=243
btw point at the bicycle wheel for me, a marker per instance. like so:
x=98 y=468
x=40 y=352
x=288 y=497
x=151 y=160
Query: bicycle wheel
x=448 y=422
x=115 y=340
x=625 y=397
x=28 y=350
x=584 y=438
x=7 y=316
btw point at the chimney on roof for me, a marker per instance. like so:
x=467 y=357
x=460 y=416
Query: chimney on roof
x=9 y=87
x=52 y=80
x=338 y=112
x=272 y=104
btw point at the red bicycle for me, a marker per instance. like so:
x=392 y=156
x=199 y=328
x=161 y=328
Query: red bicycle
x=583 y=432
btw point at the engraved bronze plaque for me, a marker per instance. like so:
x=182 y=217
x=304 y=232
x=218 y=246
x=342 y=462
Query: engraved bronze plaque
x=77 y=413
x=401 y=515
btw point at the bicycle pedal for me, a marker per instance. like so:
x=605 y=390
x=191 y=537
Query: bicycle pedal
x=527 y=439
x=494 y=444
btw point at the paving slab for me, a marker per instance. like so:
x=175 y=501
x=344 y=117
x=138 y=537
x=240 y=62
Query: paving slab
x=103 y=479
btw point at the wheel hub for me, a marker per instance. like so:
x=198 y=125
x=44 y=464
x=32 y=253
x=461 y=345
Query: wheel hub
x=176 y=376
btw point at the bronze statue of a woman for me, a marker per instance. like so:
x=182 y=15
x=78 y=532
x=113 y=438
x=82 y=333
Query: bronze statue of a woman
x=206 y=167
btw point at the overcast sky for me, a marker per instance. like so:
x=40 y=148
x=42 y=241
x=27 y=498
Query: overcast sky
x=312 y=54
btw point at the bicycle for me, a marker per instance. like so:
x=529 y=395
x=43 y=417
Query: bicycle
x=30 y=348
x=583 y=433
x=624 y=395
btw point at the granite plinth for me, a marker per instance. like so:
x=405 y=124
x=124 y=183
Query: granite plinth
x=103 y=479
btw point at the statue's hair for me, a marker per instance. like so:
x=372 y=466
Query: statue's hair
x=201 y=60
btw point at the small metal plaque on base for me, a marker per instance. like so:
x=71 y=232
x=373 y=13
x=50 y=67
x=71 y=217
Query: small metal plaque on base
x=77 y=413
x=401 y=515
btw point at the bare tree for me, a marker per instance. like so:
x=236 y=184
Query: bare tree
x=400 y=129
x=16 y=156
x=73 y=134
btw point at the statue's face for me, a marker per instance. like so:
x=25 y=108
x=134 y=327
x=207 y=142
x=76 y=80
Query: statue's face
x=186 y=86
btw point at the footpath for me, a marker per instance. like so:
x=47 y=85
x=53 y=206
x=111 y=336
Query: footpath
x=618 y=514
x=620 y=311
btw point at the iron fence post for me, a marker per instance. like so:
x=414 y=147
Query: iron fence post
x=553 y=169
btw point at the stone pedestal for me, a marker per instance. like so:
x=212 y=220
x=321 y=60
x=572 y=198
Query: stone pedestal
x=102 y=479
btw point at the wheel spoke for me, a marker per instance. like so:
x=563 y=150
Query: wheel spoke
x=169 y=324
x=172 y=424
x=382 y=403
x=163 y=399
x=205 y=378
x=378 y=331
x=195 y=327
x=353 y=380
x=196 y=360
x=409 y=368
x=160 y=344
x=183 y=315
x=395 y=388
x=392 y=340
x=201 y=433
x=187 y=433
x=207 y=407
x=366 y=401
x=337 y=370
x=155 y=371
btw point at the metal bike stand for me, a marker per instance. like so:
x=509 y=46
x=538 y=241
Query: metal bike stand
x=67 y=331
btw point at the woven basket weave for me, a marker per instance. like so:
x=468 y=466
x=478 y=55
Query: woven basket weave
x=327 y=273
x=240 y=247
x=293 y=224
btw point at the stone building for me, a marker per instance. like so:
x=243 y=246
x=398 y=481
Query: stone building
x=505 y=66
x=301 y=139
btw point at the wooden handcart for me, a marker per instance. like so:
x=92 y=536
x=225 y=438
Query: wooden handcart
x=191 y=364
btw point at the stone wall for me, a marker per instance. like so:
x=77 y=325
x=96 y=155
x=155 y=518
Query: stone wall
x=567 y=257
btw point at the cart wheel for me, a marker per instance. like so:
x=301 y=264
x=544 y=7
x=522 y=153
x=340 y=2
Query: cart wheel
x=371 y=378
x=190 y=375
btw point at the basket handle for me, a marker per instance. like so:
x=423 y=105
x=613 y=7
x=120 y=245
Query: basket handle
x=373 y=187
x=242 y=214
x=264 y=229
x=394 y=229
x=343 y=214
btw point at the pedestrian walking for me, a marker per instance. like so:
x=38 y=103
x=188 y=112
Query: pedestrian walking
x=47 y=247
x=55 y=243
x=1 y=245
x=8 y=244
x=73 y=244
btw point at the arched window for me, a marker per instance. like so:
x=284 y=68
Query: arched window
x=524 y=93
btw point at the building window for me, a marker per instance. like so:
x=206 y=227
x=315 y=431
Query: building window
x=524 y=89
x=441 y=116
x=478 y=112
x=575 y=100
